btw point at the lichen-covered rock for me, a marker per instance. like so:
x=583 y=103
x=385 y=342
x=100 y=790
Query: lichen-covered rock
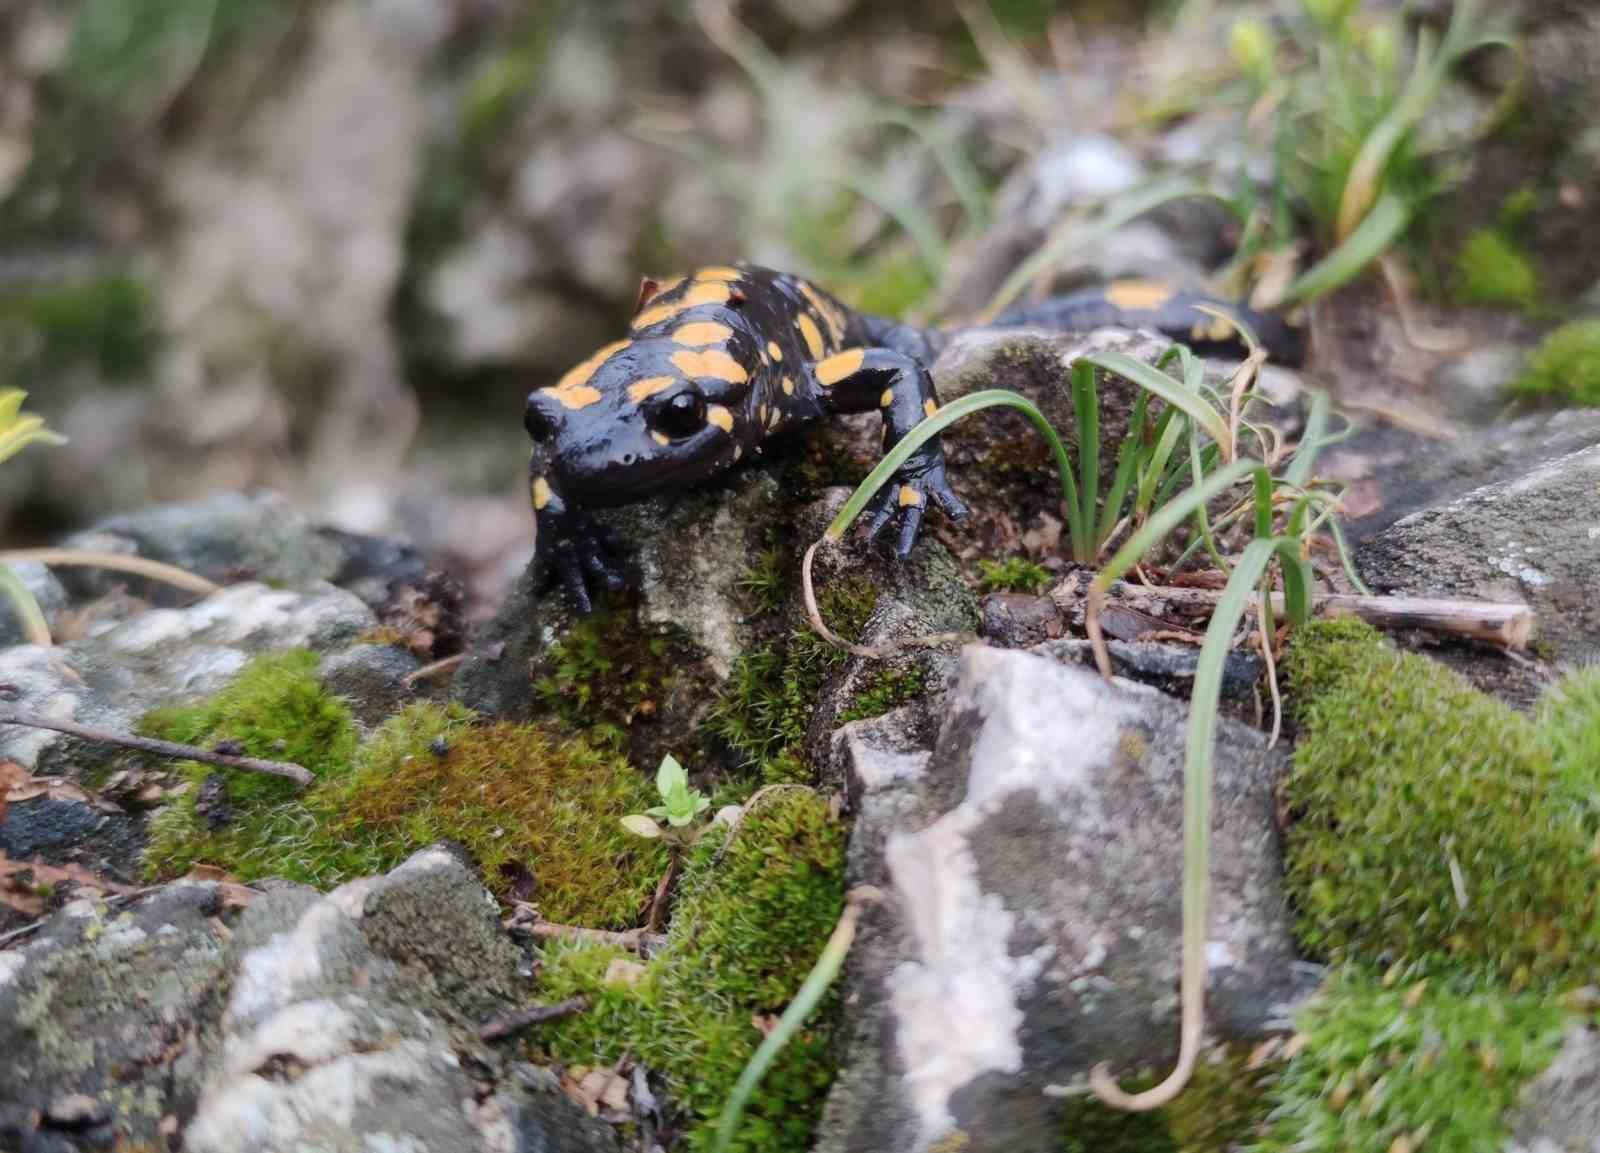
x=1560 y=1109
x=1034 y=862
x=113 y=677
x=371 y=678
x=1534 y=539
x=108 y=1004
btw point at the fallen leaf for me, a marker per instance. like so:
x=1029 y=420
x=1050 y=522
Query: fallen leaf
x=26 y=885
x=12 y=775
x=596 y=1087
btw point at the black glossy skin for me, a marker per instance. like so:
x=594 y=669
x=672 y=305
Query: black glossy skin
x=720 y=361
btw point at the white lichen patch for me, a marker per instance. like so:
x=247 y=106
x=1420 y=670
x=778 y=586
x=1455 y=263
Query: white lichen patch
x=1043 y=729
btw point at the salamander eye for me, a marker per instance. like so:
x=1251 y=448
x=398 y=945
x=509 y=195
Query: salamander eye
x=682 y=414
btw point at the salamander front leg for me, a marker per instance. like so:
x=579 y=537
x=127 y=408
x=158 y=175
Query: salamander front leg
x=570 y=541
x=863 y=379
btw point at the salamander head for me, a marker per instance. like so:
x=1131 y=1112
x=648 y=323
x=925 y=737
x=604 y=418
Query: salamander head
x=643 y=415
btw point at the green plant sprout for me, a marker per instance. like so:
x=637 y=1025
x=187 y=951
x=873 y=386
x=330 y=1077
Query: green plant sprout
x=18 y=430
x=679 y=806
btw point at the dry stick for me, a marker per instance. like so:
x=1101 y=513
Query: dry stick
x=634 y=940
x=115 y=562
x=1507 y=625
x=287 y=769
x=437 y=668
x=511 y=1023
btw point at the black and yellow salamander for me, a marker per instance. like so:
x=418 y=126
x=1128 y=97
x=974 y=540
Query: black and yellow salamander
x=719 y=361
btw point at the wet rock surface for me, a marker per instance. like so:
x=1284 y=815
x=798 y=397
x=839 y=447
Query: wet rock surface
x=1033 y=926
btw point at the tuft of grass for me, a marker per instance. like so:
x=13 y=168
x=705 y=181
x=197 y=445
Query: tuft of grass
x=1433 y=825
x=1566 y=367
x=1411 y=1066
x=1014 y=574
x=751 y=919
x=1492 y=269
x=519 y=799
x=762 y=582
x=765 y=710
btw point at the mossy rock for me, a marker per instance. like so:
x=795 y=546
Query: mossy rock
x=1492 y=269
x=752 y=916
x=521 y=799
x=1432 y=825
x=1388 y=1066
x=1565 y=369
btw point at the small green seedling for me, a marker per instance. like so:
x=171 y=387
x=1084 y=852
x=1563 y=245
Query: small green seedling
x=679 y=806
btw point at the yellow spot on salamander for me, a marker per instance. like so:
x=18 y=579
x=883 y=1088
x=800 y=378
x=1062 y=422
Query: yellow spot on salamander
x=697 y=295
x=788 y=386
x=701 y=333
x=1139 y=295
x=573 y=390
x=774 y=351
x=641 y=390
x=541 y=492
x=808 y=329
x=929 y=408
x=886 y=399
x=722 y=272
x=660 y=438
x=719 y=416
x=909 y=496
x=713 y=362
x=827 y=311
x=840 y=365
x=1213 y=328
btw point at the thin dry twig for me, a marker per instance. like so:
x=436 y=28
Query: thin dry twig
x=114 y=562
x=437 y=668
x=501 y=1027
x=299 y=774
x=633 y=940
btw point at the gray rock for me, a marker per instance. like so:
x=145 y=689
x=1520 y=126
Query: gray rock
x=1020 y=620
x=225 y=537
x=372 y=679
x=351 y=1023
x=1034 y=862
x=60 y=832
x=108 y=1003
x=113 y=677
x=1535 y=539
x=1393 y=474
x=1168 y=667
x=1476 y=387
x=1560 y=1109
x=46 y=590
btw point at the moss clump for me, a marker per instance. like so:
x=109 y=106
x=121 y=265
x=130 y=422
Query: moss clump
x=1493 y=269
x=1432 y=824
x=762 y=582
x=1223 y=1104
x=884 y=690
x=1569 y=721
x=518 y=798
x=1566 y=367
x=108 y=321
x=772 y=690
x=1413 y=1067
x=1015 y=574
x=602 y=675
x=747 y=930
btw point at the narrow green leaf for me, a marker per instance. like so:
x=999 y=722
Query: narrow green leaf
x=1377 y=231
x=1263 y=504
x=670 y=775
x=1311 y=441
x=1172 y=391
x=1086 y=403
x=34 y=626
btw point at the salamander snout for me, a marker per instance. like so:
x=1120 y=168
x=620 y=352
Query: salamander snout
x=542 y=417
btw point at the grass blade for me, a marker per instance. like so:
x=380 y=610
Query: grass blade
x=1086 y=402
x=1172 y=391
x=1169 y=516
x=34 y=626
x=1377 y=231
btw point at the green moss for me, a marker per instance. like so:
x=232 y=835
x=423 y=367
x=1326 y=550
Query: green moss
x=1223 y=1104
x=1566 y=367
x=766 y=707
x=603 y=674
x=1432 y=824
x=886 y=689
x=1569 y=721
x=1429 y=1067
x=1492 y=268
x=519 y=799
x=747 y=929
x=1015 y=574
x=108 y=321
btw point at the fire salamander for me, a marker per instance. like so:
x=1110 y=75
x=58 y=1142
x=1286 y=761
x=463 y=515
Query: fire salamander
x=719 y=361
